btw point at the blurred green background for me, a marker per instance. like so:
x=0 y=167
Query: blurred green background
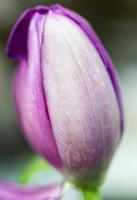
x=116 y=24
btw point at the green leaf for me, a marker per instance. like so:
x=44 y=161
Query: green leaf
x=39 y=172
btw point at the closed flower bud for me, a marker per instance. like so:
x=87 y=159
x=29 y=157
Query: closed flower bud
x=66 y=91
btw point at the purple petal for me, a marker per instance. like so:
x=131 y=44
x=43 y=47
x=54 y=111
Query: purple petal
x=101 y=50
x=81 y=100
x=10 y=191
x=31 y=100
x=17 y=42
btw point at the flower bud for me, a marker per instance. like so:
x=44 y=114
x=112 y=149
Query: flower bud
x=66 y=91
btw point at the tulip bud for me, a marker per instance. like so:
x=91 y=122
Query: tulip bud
x=66 y=91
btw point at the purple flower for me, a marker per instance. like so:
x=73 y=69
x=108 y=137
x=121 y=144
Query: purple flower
x=66 y=90
x=10 y=191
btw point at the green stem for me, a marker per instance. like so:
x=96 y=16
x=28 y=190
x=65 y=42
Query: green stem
x=91 y=194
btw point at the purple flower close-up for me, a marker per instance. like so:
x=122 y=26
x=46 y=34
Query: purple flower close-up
x=66 y=91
